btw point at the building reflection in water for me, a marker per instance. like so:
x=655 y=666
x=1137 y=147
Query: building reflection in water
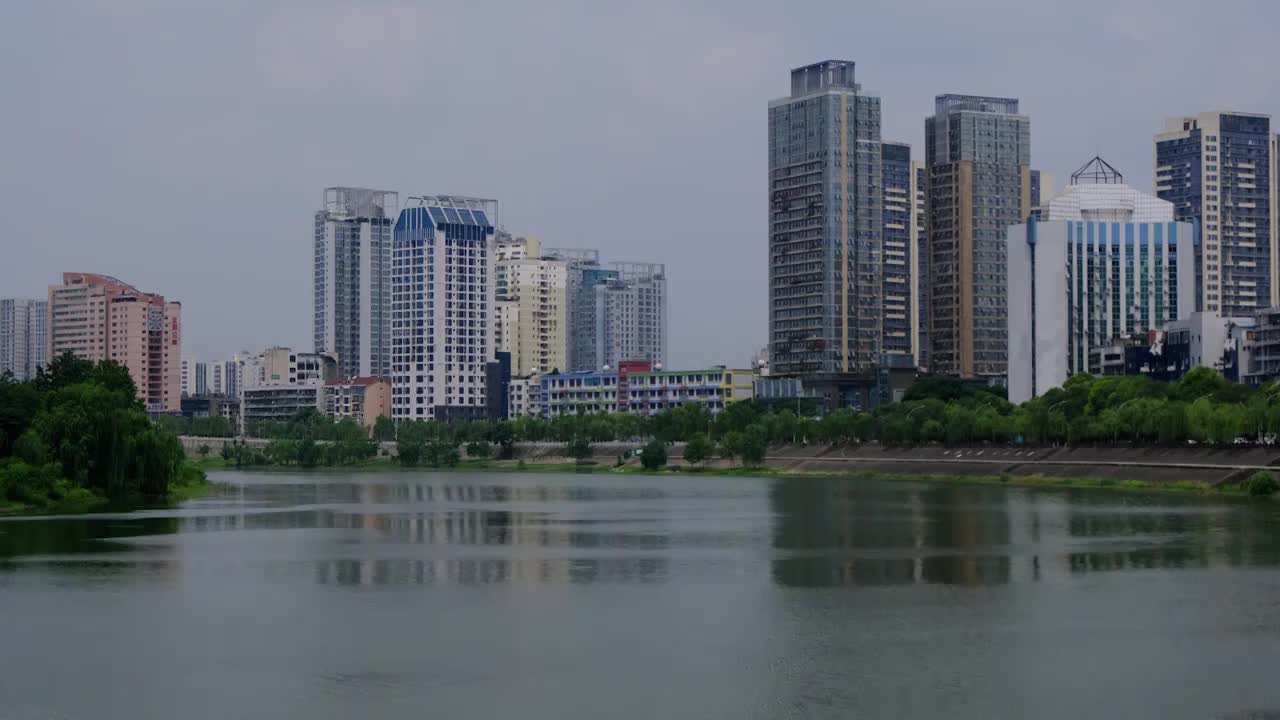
x=853 y=533
x=874 y=534
x=509 y=534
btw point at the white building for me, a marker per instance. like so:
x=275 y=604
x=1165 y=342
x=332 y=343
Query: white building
x=442 y=300
x=217 y=378
x=631 y=315
x=643 y=391
x=187 y=375
x=1104 y=262
x=278 y=383
x=351 y=293
x=24 y=336
x=523 y=396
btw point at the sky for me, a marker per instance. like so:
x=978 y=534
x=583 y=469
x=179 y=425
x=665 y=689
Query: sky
x=184 y=147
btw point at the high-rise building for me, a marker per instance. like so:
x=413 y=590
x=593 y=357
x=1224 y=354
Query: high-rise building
x=1103 y=261
x=1042 y=190
x=531 y=306
x=899 y=276
x=98 y=317
x=24 y=336
x=825 y=263
x=920 y=297
x=1219 y=171
x=187 y=375
x=631 y=315
x=352 y=289
x=978 y=151
x=442 y=300
x=202 y=379
x=217 y=378
x=584 y=274
x=222 y=377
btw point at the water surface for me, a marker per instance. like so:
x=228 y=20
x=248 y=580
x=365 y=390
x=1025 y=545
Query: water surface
x=552 y=596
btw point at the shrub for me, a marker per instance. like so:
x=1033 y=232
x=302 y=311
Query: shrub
x=31 y=484
x=1262 y=484
x=203 y=451
x=654 y=455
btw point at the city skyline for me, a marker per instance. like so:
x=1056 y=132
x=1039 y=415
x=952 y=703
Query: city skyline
x=246 y=103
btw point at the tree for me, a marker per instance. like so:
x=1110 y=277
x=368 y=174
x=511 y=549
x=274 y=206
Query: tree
x=697 y=449
x=19 y=404
x=411 y=442
x=479 y=449
x=114 y=377
x=384 y=429
x=65 y=370
x=654 y=455
x=1197 y=383
x=753 y=447
x=442 y=453
x=579 y=448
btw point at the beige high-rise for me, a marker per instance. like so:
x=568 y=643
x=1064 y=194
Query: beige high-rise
x=532 y=307
x=98 y=317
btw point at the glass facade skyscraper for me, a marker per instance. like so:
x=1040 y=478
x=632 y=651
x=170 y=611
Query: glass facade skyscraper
x=1219 y=171
x=825 y=228
x=352 y=279
x=978 y=152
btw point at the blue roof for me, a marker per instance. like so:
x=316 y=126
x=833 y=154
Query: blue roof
x=435 y=216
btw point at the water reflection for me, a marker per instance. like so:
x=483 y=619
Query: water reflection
x=490 y=571
x=77 y=535
x=871 y=534
x=540 y=530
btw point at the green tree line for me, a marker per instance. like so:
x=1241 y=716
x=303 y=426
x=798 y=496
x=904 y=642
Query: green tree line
x=1201 y=407
x=77 y=433
x=309 y=440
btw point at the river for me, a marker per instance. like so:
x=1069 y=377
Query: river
x=442 y=595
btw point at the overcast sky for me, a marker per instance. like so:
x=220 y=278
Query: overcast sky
x=184 y=146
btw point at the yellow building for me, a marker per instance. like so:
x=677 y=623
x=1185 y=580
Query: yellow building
x=531 y=309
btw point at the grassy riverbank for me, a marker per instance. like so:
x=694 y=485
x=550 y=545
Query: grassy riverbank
x=1031 y=481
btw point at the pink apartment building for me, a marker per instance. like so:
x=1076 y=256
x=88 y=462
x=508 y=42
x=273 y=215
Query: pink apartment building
x=98 y=317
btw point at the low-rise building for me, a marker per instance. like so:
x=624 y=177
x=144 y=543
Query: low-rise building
x=1257 y=342
x=363 y=399
x=277 y=384
x=579 y=393
x=643 y=391
x=1202 y=339
x=278 y=403
x=523 y=396
x=653 y=391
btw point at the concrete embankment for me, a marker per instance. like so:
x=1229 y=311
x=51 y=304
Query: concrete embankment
x=1211 y=466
